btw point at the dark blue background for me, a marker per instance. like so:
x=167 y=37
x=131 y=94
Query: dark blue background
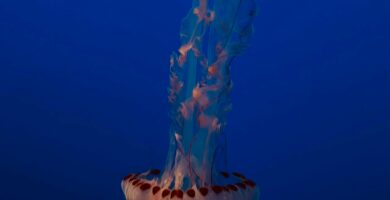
x=83 y=97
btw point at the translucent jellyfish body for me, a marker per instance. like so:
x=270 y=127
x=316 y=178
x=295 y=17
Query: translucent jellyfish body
x=212 y=34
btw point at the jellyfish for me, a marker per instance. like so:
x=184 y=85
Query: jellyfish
x=212 y=34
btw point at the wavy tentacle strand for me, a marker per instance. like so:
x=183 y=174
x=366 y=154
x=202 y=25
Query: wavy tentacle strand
x=212 y=34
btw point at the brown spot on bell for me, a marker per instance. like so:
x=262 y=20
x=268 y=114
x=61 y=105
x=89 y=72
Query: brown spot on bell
x=145 y=186
x=177 y=193
x=232 y=187
x=203 y=191
x=250 y=183
x=132 y=179
x=136 y=181
x=217 y=189
x=155 y=189
x=154 y=172
x=191 y=193
x=239 y=175
x=165 y=193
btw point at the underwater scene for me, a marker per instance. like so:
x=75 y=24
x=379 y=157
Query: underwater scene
x=195 y=99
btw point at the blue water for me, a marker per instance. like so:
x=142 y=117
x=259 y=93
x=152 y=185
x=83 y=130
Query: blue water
x=83 y=97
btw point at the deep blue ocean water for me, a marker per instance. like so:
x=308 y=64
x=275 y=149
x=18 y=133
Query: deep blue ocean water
x=83 y=97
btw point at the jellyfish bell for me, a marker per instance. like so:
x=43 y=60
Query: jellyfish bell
x=212 y=34
x=231 y=187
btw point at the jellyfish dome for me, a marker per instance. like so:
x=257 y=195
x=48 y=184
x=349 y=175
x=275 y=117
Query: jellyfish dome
x=212 y=34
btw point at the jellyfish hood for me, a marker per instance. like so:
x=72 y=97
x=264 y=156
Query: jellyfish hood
x=212 y=34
